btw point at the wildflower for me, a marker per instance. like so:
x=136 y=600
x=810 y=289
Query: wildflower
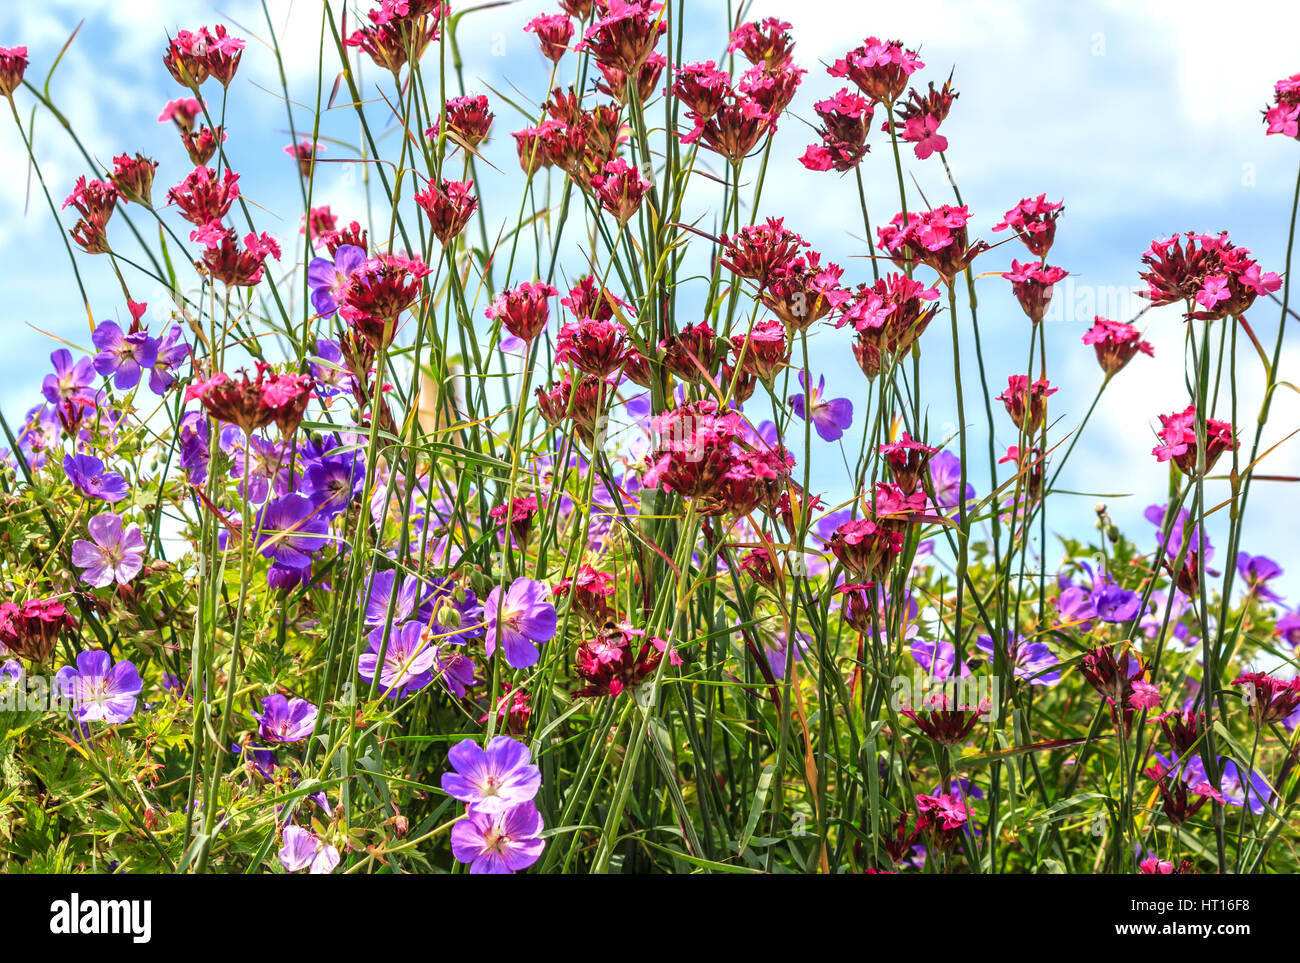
x=531 y=146
x=594 y=347
x=376 y=294
x=224 y=260
x=1282 y=118
x=554 y=31
x=69 y=380
x=123 y=356
x=693 y=352
x=290 y=530
x=760 y=251
x=772 y=88
x=1113 y=677
x=13 y=64
x=519 y=620
x=493 y=779
x=1174 y=795
x=449 y=206
x=614 y=80
x=889 y=316
x=114 y=554
x=879 y=69
x=285 y=720
x=866 y=548
x=620 y=189
x=95 y=201
x=763 y=352
x=802 y=291
x=702 y=87
x=1144 y=696
x=1034 y=221
x=1184 y=731
x=468 y=120
x=734 y=129
x=1178 y=434
x=202 y=144
x=1032 y=284
x=133 y=178
x=582 y=403
x=922 y=114
x=518 y=515
x=409 y=660
x=617 y=659
x=830 y=417
x=499 y=842
x=1115 y=343
x=1204 y=269
x=304 y=152
x=87 y=473
x=329 y=277
x=522 y=310
x=846 y=122
x=202 y=198
x=907 y=460
x=172 y=352
x=31 y=629
x=303 y=849
x=1258 y=571
x=767 y=43
x=590 y=591
x=1269 y=698
x=626 y=33
x=1026 y=403
x=100 y=690
x=318 y=221
x=393 y=34
x=1032 y=662
x=182 y=112
x=936 y=238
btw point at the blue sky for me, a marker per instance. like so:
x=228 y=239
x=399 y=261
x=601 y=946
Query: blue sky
x=1143 y=118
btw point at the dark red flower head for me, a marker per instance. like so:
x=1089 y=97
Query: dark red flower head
x=767 y=43
x=1179 y=443
x=133 y=178
x=523 y=309
x=1026 y=403
x=625 y=34
x=13 y=64
x=1034 y=221
x=468 y=120
x=880 y=69
x=449 y=205
x=30 y=630
x=1115 y=343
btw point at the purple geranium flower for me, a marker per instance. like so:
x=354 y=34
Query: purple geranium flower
x=86 y=472
x=113 y=555
x=100 y=690
x=303 y=849
x=194 y=456
x=408 y=661
x=503 y=842
x=69 y=380
x=937 y=657
x=1031 y=661
x=330 y=374
x=520 y=621
x=265 y=462
x=124 y=356
x=332 y=481
x=493 y=779
x=457 y=670
x=1114 y=604
x=1288 y=629
x=1235 y=792
x=830 y=417
x=1258 y=571
x=291 y=530
x=945 y=475
x=327 y=278
x=172 y=352
x=285 y=720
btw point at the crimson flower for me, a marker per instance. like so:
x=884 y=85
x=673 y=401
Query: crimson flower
x=1116 y=343
x=1178 y=436
x=522 y=310
x=449 y=205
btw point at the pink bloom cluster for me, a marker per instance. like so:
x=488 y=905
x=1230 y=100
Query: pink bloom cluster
x=1206 y=270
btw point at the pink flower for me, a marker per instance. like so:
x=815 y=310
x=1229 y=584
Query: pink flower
x=1144 y=696
x=1212 y=292
x=923 y=132
x=554 y=31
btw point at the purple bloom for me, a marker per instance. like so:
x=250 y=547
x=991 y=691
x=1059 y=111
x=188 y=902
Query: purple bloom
x=291 y=530
x=285 y=720
x=1076 y=608
x=100 y=690
x=937 y=657
x=1235 y=792
x=331 y=376
x=264 y=460
x=519 y=621
x=1288 y=628
x=1031 y=661
x=69 y=380
x=1258 y=571
x=327 y=278
x=408 y=661
x=124 y=356
x=303 y=849
x=503 y=842
x=172 y=352
x=457 y=670
x=114 y=555
x=40 y=433
x=830 y=417
x=945 y=475
x=493 y=779
x=1114 y=604
x=332 y=481
x=194 y=455
x=86 y=472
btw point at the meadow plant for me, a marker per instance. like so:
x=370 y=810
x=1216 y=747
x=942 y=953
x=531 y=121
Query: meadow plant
x=470 y=530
